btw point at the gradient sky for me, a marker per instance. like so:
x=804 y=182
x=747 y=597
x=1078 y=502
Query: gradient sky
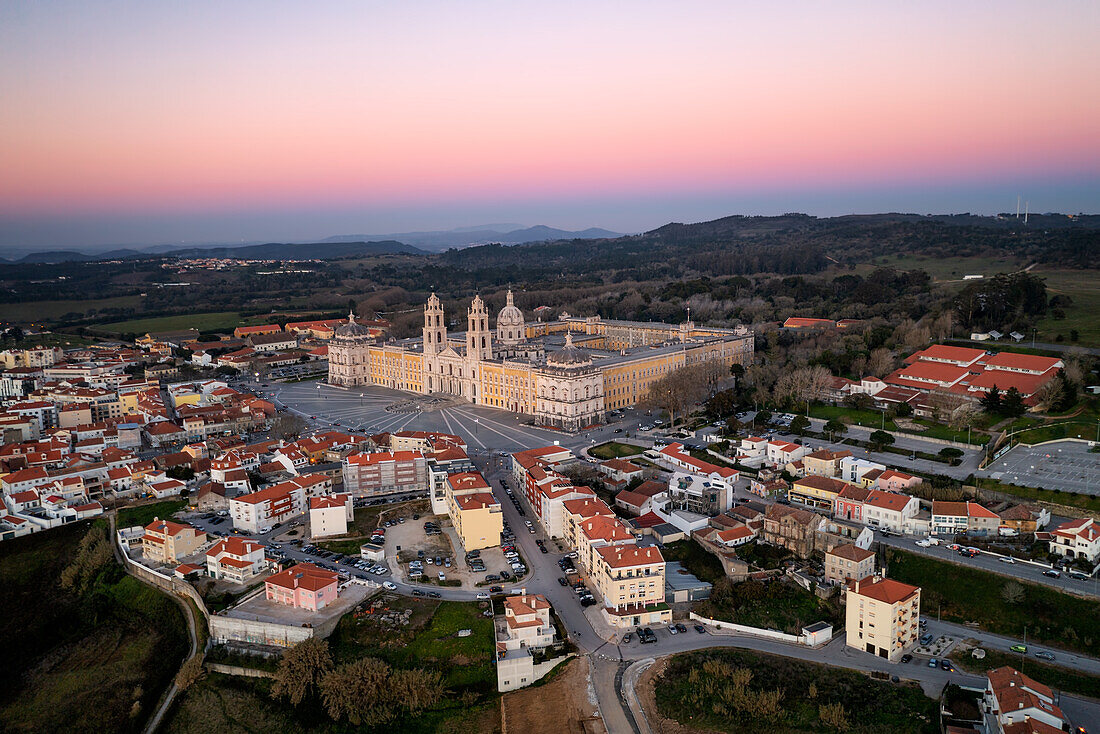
x=152 y=122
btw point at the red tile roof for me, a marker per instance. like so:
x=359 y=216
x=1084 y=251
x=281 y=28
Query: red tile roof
x=884 y=590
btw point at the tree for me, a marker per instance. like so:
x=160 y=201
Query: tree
x=963 y=416
x=881 y=362
x=301 y=670
x=800 y=424
x=287 y=425
x=859 y=401
x=182 y=473
x=881 y=439
x=835 y=427
x=950 y=453
x=1012 y=404
x=1012 y=592
x=991 y=402
x=359 y=691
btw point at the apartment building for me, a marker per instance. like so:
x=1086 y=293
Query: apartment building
x=166 y=542
x=819 y=492
x=260 y=511
x=386 y=472
x=848 y=562
x=882 y=616
x=330 y=515
x=235 y=559
x=699 y=494
x=474 y=511
x=890 y=510
x=631 y=580
x=963 y=518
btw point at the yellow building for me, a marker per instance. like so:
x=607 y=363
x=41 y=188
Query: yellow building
x=473 y=510
x=631 y=580
x=816 y=491
x=166 y=541
x=882 y=616
x=567 y=373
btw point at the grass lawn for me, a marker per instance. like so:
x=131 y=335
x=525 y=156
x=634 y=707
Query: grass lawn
x=696 y=560
x=951 y=268
x=741 y=691
x=940 y=431
x=1055 y=430
x=1083 y=286
x=1070 y=499
x=775 y=605
x=1054 y=675
x=31 y=311
x=90 y=661
x=872 y=418
x=615 y=450
x=963 y=594
x=144 y=514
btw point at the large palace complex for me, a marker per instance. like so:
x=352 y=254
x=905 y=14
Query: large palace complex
x=567 y=373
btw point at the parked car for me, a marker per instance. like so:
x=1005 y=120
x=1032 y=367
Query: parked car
x=926 y=638
x=482 y=595
x=389 y=585
x=1052 y=573
x=933 y=663
x=1044 y=655
x=700 y=629
x=946 y=665
x=906 y=658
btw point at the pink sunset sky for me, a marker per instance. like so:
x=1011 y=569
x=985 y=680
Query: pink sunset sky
x=145 y=122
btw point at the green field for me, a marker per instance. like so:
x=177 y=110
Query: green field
x=1083 y=286
x=144 y=514
x=615 y=450
x=963 y=594
x=218 y=321
x=740 y=691
x=32 y=311
x=952 y=268
x=91 y=659
x=871 y=418
x=1069 y=499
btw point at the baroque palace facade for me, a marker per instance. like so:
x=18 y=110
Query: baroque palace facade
x=567 y=373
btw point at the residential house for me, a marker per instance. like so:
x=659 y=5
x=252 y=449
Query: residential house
x=236 y=559
x=892 y=480
x=823 y=462
x=889 y=510
x=847 y=563
x=1077 y=539
x=882 y=616
x=166 y=542
x=524 y=628
x=260 y=511
x=849 y=503
x=304 y=586
x=1022 y=518
x=1020 y=705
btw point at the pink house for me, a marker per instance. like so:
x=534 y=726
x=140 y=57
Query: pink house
x=896 y=481
x=304 y=586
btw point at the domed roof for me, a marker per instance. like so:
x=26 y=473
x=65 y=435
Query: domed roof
x=352 y=329
x=569 y=355
x=510 y=314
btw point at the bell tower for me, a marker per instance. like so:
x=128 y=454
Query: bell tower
x=479 y=344
x=435 y=327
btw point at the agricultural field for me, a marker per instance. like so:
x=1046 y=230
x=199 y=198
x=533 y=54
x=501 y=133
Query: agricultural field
x=1083 y=286
x=30 y=311
x=948 y=269
x=219 y=321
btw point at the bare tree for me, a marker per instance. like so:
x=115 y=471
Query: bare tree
x=287 y=426
x=301 y=669
x=881 y=362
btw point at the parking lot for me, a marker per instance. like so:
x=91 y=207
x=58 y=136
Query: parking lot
x=1064 y=465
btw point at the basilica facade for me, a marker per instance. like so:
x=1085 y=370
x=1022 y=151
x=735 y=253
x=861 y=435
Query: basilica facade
x=566 y=373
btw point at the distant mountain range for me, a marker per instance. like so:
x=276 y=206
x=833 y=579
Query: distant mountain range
x=409 y=243
x=505 y=234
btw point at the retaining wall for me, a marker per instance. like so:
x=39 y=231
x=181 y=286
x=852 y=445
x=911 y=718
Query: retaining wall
x=238 y=670
x=754 y=631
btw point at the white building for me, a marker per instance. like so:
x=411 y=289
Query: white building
x=1077 y=539
x=235 y=559
x=330 y=515
x=260 y=511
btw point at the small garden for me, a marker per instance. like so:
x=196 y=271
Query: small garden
x=615 y=450
x=775 y=604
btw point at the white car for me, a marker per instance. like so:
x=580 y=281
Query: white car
x=389 y=585
x=923 y=543
x=482 y=595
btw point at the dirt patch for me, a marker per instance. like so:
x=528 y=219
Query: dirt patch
x=645 y=690
x=559 y=707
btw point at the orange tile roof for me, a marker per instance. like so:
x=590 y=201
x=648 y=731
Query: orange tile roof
x=850 y=552
x=477 y=501
x=303 y=576
x=623 y=556
x=884 y=590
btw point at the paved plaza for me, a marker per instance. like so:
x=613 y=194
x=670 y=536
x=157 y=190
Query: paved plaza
x=375 y=409
x=1065 y=465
